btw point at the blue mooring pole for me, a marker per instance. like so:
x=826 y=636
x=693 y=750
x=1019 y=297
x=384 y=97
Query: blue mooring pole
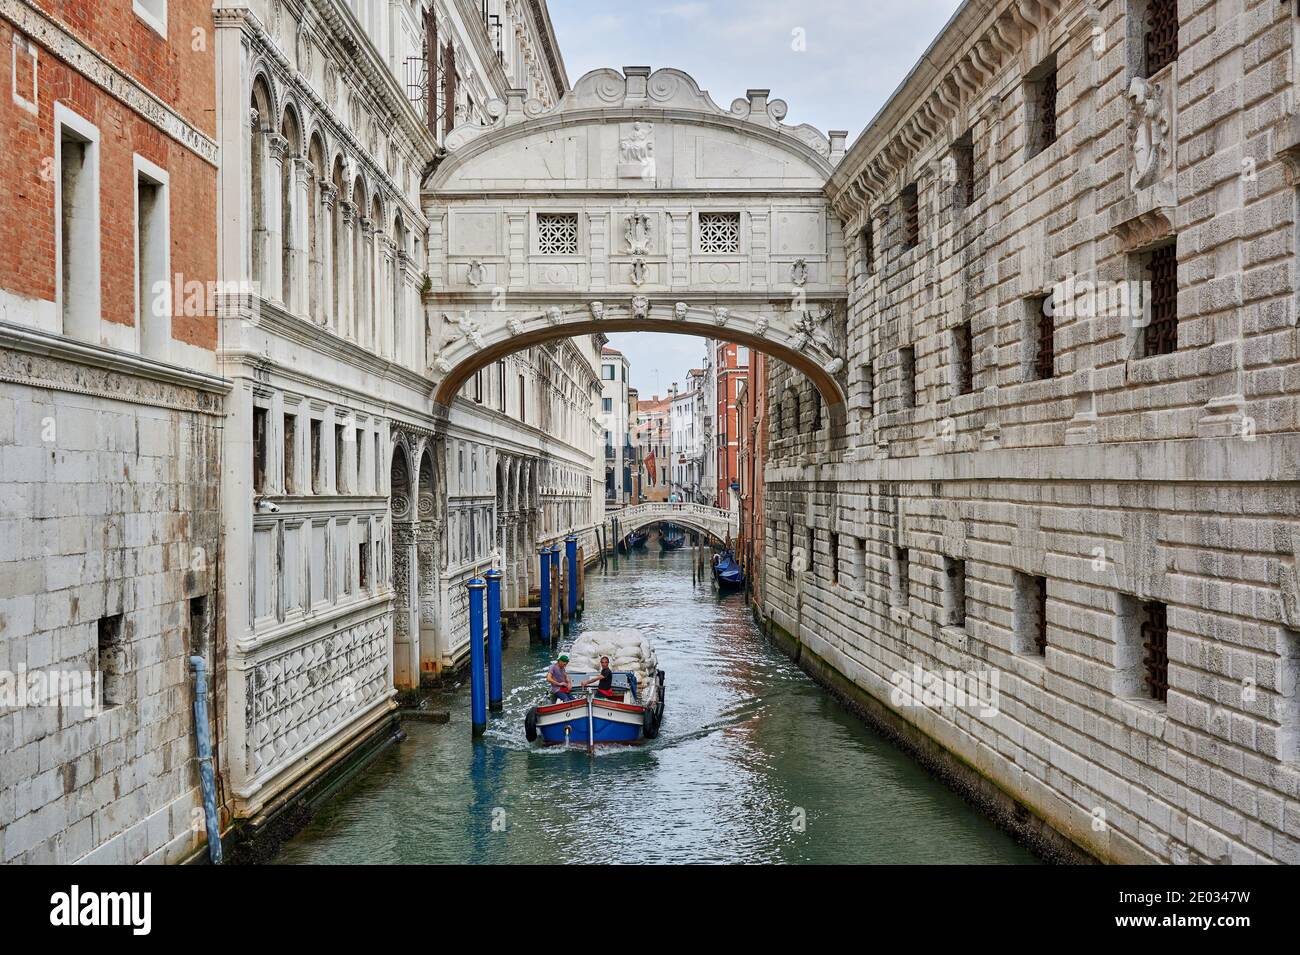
x=559 y=595
x=477 y=696
x=494 y=639
x=571 y=556
x=544 y=602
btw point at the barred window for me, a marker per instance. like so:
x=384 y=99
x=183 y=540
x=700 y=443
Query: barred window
x=1042 y=324
x=910 y=204
x=963 y=358
x=557 y=233
x=1155 y=656
x=1040 y=106
x=719 y=231
x=1160 y=38
x=963 y=171
x=1161 y=335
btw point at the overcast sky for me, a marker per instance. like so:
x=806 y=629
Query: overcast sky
x=855 y=53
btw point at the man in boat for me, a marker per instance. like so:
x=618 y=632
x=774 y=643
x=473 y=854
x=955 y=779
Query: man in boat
x=557 y=678
x=604 y=682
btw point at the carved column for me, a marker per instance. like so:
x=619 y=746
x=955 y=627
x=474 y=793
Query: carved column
x=258 y=173
x=299 y=242
x=402 y=295
x=328 y=203
x=347 y=226
x=278 y=150
x=363 y=317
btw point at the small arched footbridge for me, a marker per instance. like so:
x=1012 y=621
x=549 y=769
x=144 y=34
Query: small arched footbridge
x=713 y=522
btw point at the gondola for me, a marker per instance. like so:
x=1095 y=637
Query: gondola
x=727 y=572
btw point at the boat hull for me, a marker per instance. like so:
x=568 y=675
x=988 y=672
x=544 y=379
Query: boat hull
x=610 y=722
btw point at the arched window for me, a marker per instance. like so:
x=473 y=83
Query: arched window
x=288 y=208
x=315 y=232
x=258 y=161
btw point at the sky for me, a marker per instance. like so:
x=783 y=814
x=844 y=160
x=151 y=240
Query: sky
x=834 y=62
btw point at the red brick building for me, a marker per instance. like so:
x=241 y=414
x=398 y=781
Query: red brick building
x=732 y=368
x=110 y=423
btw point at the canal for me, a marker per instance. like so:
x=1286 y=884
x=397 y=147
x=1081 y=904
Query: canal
x=754 y=763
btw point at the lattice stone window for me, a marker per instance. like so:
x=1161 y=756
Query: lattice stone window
x=557 y=233
x=719 y=231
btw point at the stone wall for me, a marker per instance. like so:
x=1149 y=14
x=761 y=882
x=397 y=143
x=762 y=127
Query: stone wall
x=111 y=519
x=1137 y=484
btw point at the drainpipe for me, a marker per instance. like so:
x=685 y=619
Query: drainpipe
x=206 y=777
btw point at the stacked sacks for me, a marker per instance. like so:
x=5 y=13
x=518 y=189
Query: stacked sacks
x=627 y=650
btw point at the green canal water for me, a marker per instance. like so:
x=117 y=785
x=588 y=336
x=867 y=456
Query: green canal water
x=754 y=763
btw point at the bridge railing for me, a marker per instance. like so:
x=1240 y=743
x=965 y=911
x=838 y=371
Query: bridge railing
x=665 y=510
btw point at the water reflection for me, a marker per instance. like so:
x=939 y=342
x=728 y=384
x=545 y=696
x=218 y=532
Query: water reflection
x=754 y=763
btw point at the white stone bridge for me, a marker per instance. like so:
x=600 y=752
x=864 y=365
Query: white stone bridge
x=636 y=204
x=713 y=522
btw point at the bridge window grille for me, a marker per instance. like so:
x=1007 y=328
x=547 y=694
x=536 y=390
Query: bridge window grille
x=719 y=231
x=1161 y=334
x=557 y=233
x=1160 y=41
x=1155 y=647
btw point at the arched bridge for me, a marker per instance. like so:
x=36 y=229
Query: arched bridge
x=710 y=521
x=636 y=203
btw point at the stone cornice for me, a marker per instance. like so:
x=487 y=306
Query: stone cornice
x=104 y=362
x=59 y=40
x=291 y=328
x=952 y=76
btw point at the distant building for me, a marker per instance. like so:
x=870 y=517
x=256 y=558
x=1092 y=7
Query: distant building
x=614 y=369
x=729 y=370
x=653 y=440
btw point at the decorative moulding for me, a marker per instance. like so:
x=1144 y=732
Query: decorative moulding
x=637 y=86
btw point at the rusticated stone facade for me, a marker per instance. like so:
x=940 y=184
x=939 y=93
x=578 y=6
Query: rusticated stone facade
x=1093 y=502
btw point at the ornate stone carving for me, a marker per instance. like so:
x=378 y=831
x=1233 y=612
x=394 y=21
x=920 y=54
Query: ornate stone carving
x=516 y=327
x=475 y=274
x=799 y=272
x=1145 y=228
x=721 y=315
x=1150 y=126
x=597 y=311
x=637 y=233
x=760 y=327
x=638 y=271
x=636 y=152
x=679 y=312
x=438 y=364
x=554 y=314
x=640 y=306
x=298 y=695
x=469 y=331
x=331 y=85
x=808 y=333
